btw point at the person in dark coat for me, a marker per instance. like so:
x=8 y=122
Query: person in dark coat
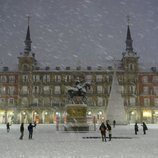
x=114 y=123
x=144 y=128
x=136 y=128
x=102 y=129
x=8 y=126
x=30 y=129
x=109 y=130
x=22 y=131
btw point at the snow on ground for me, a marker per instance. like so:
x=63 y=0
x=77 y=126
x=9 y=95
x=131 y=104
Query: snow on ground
x=49 y=143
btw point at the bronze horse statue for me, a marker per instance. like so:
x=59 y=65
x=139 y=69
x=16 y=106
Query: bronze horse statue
x=78 y=90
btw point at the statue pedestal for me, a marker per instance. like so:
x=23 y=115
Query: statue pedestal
x=76 y=117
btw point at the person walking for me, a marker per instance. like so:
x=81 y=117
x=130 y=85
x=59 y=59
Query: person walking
x=8 y=126
x=114 y=123
x=22 y=131
x=136 y=128
x=109 y=129
x=30 y=129
x=144 y=127
x=102 y=129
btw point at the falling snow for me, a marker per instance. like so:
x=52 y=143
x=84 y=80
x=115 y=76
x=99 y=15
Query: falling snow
x=62 y=30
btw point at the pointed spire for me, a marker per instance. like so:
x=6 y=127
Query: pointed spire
x=129 y=40
x=28 y=39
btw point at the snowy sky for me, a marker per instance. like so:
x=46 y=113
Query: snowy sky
x=78 y=32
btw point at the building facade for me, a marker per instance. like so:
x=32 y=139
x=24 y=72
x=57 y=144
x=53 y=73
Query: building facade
x=32 y=93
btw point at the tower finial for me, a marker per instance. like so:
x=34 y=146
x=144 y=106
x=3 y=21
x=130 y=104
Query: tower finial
x=28 y=38
x=28 y=17
x=129 y=40
x=128 y=19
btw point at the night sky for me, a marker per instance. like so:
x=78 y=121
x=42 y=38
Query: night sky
x=78 y=32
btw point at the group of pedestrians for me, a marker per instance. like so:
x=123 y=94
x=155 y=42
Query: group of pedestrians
x=136 y=128
x=30 y=129
x=104 y=129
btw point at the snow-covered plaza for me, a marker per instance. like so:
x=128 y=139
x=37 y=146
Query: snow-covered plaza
x=49 y=143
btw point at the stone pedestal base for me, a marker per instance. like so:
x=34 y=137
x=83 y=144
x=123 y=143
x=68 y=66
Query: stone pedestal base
x=76 y=117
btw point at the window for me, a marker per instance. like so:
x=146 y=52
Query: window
x=90 y=91
x=12 y=79
x=46 y=89
x=109 y=78
x=11 y=100
x=89 y=78
x=155 y=79
x=145 y=79
x=36 y=78
x=46 y=78
x=25 y=78
x=99 y=78
x=35 y=89
x=2 y=100
x=24 y=90
x=131 y=66
x=156 y=90
x=145 y=90
x=146 y=101
x=99 y=89
x=132 y=101
x=35 y=102
x=57 y=78
x=46 y=101
x=132 y=89
x=156 y=101
x=24 y=101
x=57 y=90
x=100 y=101
x=11 y=90
x=3 y=90
x=3 y=79
x=68 y=78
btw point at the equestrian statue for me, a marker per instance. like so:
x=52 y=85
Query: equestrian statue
x=79 y=90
